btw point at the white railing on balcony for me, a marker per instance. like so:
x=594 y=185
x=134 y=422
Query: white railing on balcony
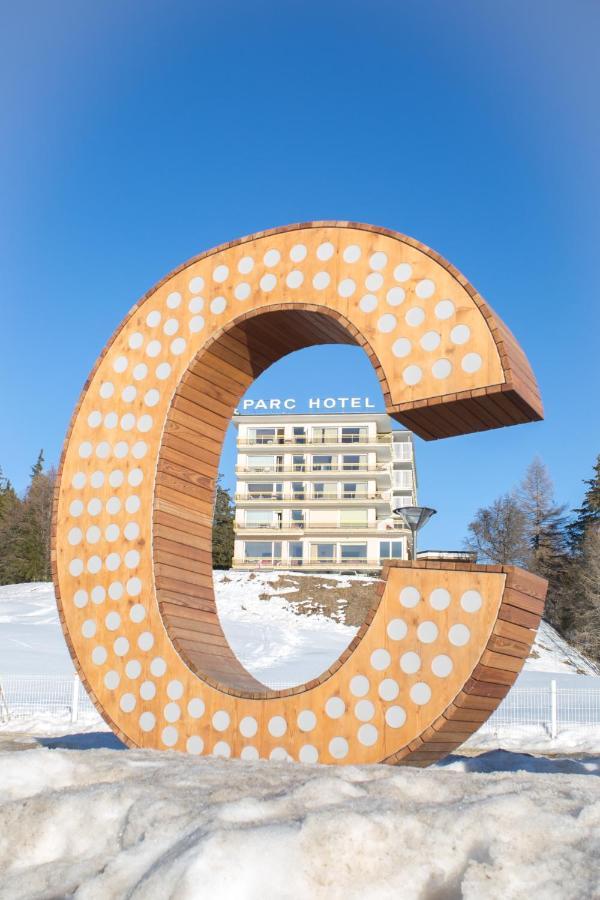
x=305 y=496
x=315 y=439
x=348 y=467
x=273 y=562
x=319 y=526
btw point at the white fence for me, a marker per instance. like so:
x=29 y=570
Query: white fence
x=546 y=709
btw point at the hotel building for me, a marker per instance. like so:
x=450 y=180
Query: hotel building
x=316 y=492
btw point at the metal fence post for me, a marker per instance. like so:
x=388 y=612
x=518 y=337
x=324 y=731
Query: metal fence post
x=75 y=698
x=553 y=722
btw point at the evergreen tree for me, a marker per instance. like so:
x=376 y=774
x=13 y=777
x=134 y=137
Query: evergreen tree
x=30 y=545
x=498 y=533
x=588 y=514
x=222 y=533
x=10 y=515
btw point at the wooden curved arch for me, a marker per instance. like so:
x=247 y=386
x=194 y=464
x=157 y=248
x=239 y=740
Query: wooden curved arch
x=133 y=511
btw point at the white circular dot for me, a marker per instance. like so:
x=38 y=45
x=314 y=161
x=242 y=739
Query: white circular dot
x=346 y=287
x=98 y=594
x=395 y=717
x=169 y=736
x=415 y=316
x=173 y=300
x=133 y=669
x=80 y=598
x=441 y=368
x=307 y=720
x=171 y=326
x=140 y=371
x=439 y=599
x=397 y=629
x=112 y=680
x=367 y=735
x=94 y=507
x=338 y=747
x=471 y=363
x=402 y=272
x=135 y=477
x=218 y=305
x=97 y=479
x=194 y=744
x=242 y=291
x=427 y=632
x=136 y=340
x=132 y=504
x=172 y=712
x=267 y=283
x=380 y=659
x=94 y=419
x=153 y=319
x=111 y=420
x=158 y=667
x=471 y=601
x=410 y=662
x=196 y=304
x=134 y=587
x=321 y=280
x=103 y=450
x=116 y=478
x=278 y=754
x=151 y=398
x=425 y=288
x=79 y=480
x=131 y=531
x=430 y=340
x=298 y=253
x=412 y=375
x=222 y=748
x=248 y=726
x=120 y=363
x=368 y=303
x=163 y=371
x=308 y=754
x=146 y=641
x=179 y=345
x=395 y=296
x=76 y=508
x=352 y=253
x=373 y=281
x=137 y=613
x=175 y=690
x=250 y=754
x=115 y=590
x=121 y=646
x=196 y=284
x=153 y=348
x=378 y=260
x=359 y=686
x=420 y=693
x=147 y=721
x=112 y=621
x=459 y=635
x=112 y=562
x=99 y=656
x=335 y=707
x=121 y=449
x=325 y=251
x=387 y=323
x=85 y=450
x=294 y=279
x=442 y=665
x=389 y=689
x=364 y=710
x=88 y=629
x=94 y=564
x=127 y=703
x=107 y=389
x=444 y=309
x=271 y=258
x=147 y=690
x=245 y=265
x=277 y=726
x=74 y=536
x=460 y=334
x=196 y=708
x=131 y=559
x=220 y=274
x=409 y=597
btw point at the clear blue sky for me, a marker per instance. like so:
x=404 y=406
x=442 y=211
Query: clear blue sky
x=135 y=135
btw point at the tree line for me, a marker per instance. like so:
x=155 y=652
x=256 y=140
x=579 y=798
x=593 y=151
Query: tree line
x=527 y=527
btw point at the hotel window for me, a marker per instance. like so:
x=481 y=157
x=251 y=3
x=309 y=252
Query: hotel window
x=353 y=435
x=402 y=450
x=259 y=518
x=295 y=552
x=324 y=435
x=322 y=463
x=390 y=550
x=261 y=463
x=353 y=551
x=299 y=434
x=351 y=462
x=402 y=478
x=298 y=492
x=322 y=552
x=266 y=491
x=299 y=463
x=266 y=435
x=323 y=490
x=353 y=489
x=263 y=549
x=297 y=518
x=354 y=518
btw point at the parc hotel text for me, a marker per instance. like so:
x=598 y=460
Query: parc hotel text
x=289 y=403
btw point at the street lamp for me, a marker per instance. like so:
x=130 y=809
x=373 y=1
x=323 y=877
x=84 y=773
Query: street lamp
x=415 y=517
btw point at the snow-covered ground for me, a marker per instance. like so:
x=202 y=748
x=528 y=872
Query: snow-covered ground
x=103 y=825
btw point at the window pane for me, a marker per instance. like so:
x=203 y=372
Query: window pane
x=354 y=517
x=259 y=549
x=353 y=551
x=384 y=550
x=259 y=517
x=323 y=551
x=397 y=549
x=261 y=462
x=295 y=549
x=258 y=488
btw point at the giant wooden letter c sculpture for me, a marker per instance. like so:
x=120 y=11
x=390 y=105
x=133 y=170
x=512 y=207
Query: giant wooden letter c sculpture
x=133 y=510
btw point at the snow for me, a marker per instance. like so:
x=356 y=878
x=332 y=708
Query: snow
x=98 y=825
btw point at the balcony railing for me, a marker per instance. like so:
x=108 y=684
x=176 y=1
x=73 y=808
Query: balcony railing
x=328 y=562
x=319 y=526
x=305 y=497
x=315 y=439
x=348 y=467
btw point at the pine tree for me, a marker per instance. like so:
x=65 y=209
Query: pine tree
x=32 y=544
x=223 y=533
x=10 y=516
x=588 y=514
x=498 y=533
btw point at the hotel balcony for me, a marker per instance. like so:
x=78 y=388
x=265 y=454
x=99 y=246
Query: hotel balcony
x=304 y=497
x=249 y=562
x=319 y=469
x=364 y=440
x=296 y=529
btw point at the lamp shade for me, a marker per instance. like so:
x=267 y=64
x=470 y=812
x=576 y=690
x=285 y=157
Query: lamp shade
x=415 y=516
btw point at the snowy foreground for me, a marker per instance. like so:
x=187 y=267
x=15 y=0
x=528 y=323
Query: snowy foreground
x=144 y=824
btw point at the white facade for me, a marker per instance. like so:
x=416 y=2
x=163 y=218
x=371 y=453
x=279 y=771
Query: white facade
x=317 y=491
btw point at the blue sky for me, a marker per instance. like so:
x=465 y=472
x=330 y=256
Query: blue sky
x=135 y=135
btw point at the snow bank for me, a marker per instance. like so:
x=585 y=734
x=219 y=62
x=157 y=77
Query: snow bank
x=149 y=825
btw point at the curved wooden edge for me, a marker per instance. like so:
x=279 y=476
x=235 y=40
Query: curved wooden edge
x=501 y=662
